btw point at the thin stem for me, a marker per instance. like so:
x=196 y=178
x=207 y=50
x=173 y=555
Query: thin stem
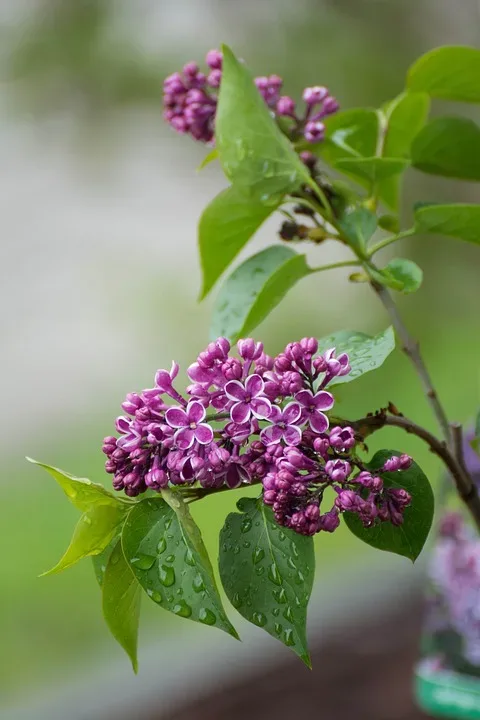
x=318 y=190
x=412 y=350
x=345 y=263
x=389 y=240
x=457 y=439
x=463 y=482
x=194 y=494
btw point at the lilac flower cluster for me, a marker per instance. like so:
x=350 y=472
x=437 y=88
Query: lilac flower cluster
x=190 y=102
x=251 y=418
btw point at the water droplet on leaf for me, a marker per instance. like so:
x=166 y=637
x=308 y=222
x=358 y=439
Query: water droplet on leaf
x=288 y=638
x=246 y=525
x=207 y=617
x=166 y=575
x=258 y=555
x=259 y=619
x=198 y=584
x=162 y=546
x=182 y=609
x=280 y=596
x=143 y=562
x=274 y=575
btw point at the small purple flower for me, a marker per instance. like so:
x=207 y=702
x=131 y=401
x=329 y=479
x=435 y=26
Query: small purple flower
x=284 y=425
x=314 y=131
x=342 y=438
x=338 y=470
x=397 y=462
x=313 y=405
x=214 y=59
x=188 y=424
x=286 y=106
x=248 y=399
x=315 y=95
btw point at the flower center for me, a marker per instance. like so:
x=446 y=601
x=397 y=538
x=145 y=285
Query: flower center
x=192 y=426
x=248 y=399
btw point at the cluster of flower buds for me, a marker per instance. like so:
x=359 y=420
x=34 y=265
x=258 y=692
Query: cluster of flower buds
x=190 y=102
x=253 y=418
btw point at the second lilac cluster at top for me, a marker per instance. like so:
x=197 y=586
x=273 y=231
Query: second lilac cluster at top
x=190 y=102
x=251 y=418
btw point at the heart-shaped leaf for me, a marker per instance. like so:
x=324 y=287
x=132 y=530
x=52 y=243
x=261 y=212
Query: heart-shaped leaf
x=400 y=274
x=409 y=538
x=451 y=72
x=164 y=549
x=456 y=220
x=254 y=289
x=225 y=227
x=267 y=572
x=366 y=353
x=255 y=155
x=121 y=597
x=448 y=146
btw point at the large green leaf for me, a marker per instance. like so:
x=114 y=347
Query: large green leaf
x=100 y=561
x=267 y=572
x=121 y=597
x=407 y=539
x=255 y=155
x=372 y=169
x=349 y=134
x=254 y=289
x=366 y=353
x=459 y=220
x=166 y=553
x=449 y=147
x=80 y=491
x=450 y=72
x=358 y=226
x=405 y=116
x=94 y=531
x=226 y=225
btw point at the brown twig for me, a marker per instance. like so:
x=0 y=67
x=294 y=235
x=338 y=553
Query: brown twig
x=463 y=482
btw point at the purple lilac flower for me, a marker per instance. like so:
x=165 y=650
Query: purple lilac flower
x=271 y=426
x=190 y=100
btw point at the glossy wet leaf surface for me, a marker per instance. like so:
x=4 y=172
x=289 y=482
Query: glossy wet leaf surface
x=267 y=572
x=167 y=556
x=365 y=352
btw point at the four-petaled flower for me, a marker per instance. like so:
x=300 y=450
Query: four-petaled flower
x=284 y=425
x=248 y=399
x=188 y=424
x=312 y=406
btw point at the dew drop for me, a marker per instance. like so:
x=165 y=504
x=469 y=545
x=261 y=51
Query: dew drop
x=274 y=575
x=294 y=549
x=291 y=563
x=143 y=562
x=167 y=575
x=189 y=559
x=180 y=592
x=299 y=578
x=168 y=523
x=259 y=570
x=170 y=558
x=162 y=546
x=288 y=638
x=246 y=544
x=258 y=555
x=276 y=612
x=87 y=520
x=156 y=597
x=224 y=547
x=280 y=596
x=246 y=525
x=287 y=613
x=281 y=536
x=236 y=549
x=259 y=619
x=207 y=617
x=182 y=609
x=236 y=600
x=278 y=628
x=198 y=584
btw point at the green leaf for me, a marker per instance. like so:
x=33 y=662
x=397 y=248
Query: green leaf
x=450 y=147
x=121 y=597
x=358 y=226
x=405 y=275
x=80 y=491
x=372 y=169
x=449 y=72
x=390 y=223
x=209 y=158
x=456 y=220
x=100 y=561
x=225 y=227
x=255 y=155
x=366 y=353
x=166 y=553
x=348 y=134
x=267 y=572
x=405 y=116
x=254 y=289
x=94 y=531
x=407 y=539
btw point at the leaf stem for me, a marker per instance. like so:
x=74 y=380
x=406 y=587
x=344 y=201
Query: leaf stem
x=411 y=349
x=463 y=481
x=333 y=266
x=389 y=240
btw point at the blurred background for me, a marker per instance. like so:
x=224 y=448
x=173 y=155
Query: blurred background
x=99 y=282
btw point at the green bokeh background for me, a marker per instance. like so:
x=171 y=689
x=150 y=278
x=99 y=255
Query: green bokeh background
x=90 y=61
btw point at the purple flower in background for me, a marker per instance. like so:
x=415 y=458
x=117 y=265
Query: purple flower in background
x=248 y=399
x=313 y=407
x=284 y=425
x=188 y=424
